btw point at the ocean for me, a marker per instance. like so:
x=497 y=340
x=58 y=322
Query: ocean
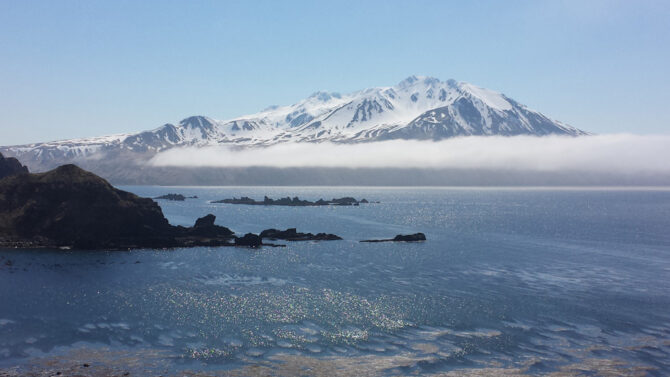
x=511 y=281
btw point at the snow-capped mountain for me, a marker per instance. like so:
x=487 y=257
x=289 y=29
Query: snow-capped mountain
x=416 y=108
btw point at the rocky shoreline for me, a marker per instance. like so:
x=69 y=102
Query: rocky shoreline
x=71 y=208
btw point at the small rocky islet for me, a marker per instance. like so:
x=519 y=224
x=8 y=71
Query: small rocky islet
x=416 y=237
x=293 y=202
x=176 y=197
x=71 y=208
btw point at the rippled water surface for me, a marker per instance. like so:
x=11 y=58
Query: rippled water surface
x=509 y=282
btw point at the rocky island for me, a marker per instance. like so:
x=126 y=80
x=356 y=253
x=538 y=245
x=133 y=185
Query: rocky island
x=292 y=234
x=175 y=197
x=293 y=202
x=416 y=237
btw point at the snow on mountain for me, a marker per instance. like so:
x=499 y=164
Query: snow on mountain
x=416 y=108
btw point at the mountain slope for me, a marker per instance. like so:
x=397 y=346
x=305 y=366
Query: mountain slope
x=423 y=108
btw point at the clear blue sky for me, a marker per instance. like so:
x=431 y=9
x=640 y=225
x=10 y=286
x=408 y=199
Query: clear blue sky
x=86 y=68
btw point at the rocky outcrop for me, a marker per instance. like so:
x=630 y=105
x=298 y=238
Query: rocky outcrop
x=249 y=240
x=205 y=227
x=410 y=237
x=293 y=202
x=11 y=166
x=416 y=237
x=292 y=234
x=175 y=197
x=70 y=207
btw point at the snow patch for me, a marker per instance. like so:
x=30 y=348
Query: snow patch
x=489 y=97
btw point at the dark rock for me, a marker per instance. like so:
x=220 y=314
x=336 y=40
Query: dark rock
x=347 y=201
x=416 y=237
x=205 y=221
x=410 y=237
x=242 y=200
x=292 y=202
x=292 y=234
x=249 y=240
x=279 y=234
x=175 y=197
x=11 y=166
x=204 y=226
x=325 y=237
x=71 y=208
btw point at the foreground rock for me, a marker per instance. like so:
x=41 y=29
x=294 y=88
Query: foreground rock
x=292 y=234
x=416 y=237
x=11 y=166
x=294 y=202
x=70 y=207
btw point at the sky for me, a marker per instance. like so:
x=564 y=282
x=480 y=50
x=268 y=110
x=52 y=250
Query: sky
x=73 y=69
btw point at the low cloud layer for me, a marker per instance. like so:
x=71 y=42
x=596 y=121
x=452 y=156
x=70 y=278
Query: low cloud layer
x=616 y=153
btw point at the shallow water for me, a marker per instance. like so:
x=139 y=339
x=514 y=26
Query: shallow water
x=510 y=281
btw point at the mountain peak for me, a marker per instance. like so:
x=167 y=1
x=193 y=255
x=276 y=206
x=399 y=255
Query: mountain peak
x=324 y=96
x=414 y=79
x=411 y=80
x=197 y=121
x=418 y=108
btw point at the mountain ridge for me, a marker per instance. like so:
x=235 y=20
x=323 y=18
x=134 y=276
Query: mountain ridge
x=417 y=108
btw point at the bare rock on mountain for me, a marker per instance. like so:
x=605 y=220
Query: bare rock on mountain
x=11 y=166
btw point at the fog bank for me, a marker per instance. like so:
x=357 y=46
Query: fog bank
x=613 y=153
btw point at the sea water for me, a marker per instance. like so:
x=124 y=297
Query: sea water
x=509 y=282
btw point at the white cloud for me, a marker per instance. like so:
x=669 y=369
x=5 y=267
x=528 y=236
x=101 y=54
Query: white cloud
x=602 y=153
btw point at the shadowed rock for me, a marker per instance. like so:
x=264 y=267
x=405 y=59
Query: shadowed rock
x=11 y=166
x=249 y=240
x=205 y=221
x=416 y=237
x=70 y=207
x=410 y=237
x=292 y=234
x=205 y=227
x=175 y=197
x=293 y=202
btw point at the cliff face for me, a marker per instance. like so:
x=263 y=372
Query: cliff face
x=11 y=166
x=72 y=207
